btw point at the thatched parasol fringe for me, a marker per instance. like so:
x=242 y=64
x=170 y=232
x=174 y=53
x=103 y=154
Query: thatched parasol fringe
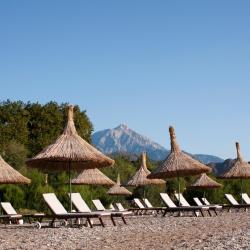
x=92 y=177
x=9 y=175
x=204 y=182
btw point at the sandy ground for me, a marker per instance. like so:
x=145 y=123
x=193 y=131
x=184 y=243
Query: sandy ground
x=227 y=231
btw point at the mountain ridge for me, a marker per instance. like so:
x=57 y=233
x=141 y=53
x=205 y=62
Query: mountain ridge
x=122 y=139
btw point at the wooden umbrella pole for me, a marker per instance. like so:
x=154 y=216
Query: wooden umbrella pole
x=91 y=190
x=241 y=183
x=70 y=187
x=179 y=190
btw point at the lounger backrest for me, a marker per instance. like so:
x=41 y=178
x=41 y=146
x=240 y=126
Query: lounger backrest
x=79 y=203
x=205 y=201
x=98 y=205
x=231 y=199
x=246 y=198
x=7 y=207
x=120 y=207
x=167 y=200
x=182 y=200
x=147 y=203
x=111 y=207
x=54 y=204
x=198 y=202
x=138 y=203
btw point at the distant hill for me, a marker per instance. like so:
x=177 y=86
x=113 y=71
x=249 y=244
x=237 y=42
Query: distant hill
x=126 y=141
x=220 y=168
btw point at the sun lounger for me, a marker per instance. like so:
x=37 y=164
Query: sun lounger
x=60 y=213
x=214 y=208
x=143 y=209
x=183 y=202
x=245 y=198
x=120 y=207
x=233 y=203
x=111 y=207
x=82 y=207
x=172 y=208
x=99 y=206
x=18 y=218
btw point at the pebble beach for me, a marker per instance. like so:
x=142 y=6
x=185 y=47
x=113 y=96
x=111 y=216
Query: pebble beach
x=226 y=231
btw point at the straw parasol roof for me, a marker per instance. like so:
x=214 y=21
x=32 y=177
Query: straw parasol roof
x=69 y=148
x=240 y=168
x=92 y=177
x=9 y=175
x=117 y=189
x=178 y=163
x=204 y=182
x=140 y=177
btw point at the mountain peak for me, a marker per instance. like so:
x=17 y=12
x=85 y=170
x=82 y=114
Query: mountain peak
x=122 y=126
x=123 y=139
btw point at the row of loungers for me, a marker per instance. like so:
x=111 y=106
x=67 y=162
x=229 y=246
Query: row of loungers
x=58 y=212
x=202 y=205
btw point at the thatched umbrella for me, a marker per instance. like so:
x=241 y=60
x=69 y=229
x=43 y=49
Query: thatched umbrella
x=117 y=189
x=240 y=168
x=92 y=177
x=140 y=177
x=178 y=164
x=205 y=182
x=9 y=175
x=69 y=152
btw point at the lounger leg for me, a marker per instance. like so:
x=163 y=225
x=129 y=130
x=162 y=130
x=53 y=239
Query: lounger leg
x=90 y=223
x=164 y=214
x=113 y=220
x=124 y=221
x=215 y=212
x=100 y=219
x=209 y=212
x=202 y=212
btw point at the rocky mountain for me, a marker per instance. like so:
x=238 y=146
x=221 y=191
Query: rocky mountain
x=126 y=141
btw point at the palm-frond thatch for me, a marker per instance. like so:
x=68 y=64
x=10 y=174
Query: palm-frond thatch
x=240 y=168
x=117 y=189
x=69 y=148
x=178 y=163
x=9 y=175
x=140 y=177
x=205 y=182
x=92 y=177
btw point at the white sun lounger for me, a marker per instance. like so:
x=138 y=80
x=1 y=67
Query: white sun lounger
x=9 y=210
x=18 y=218
x=99 y=206
x=233 y=203
x=214 y=208
x=171 y=207
x=245 y=198
x=82 y=206
x=138 y=203
x=120 y=207
x=148 y=203
x=59 y=212
x=183 y=202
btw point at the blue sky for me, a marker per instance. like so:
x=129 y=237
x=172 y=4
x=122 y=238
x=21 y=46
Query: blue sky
x=149 y=64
